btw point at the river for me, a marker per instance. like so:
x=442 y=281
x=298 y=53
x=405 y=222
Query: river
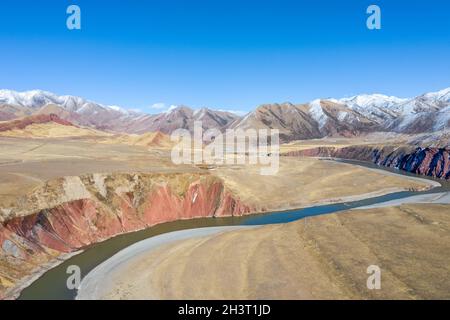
x=52 y=284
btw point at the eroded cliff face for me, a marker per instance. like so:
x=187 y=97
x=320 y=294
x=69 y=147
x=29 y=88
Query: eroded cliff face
x=71 y=213
x=433 y=162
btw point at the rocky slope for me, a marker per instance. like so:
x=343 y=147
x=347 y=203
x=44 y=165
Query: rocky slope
x=43 y=126
x=318 y=119
x=111 y=118
x=429 y=161
x=52 y=126
x=28 y=121
x=438 y=139
x=347 y=117
x=353 y=116
x=70 y=213
x=183 y=118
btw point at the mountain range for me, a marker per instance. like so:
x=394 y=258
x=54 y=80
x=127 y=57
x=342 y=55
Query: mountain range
x=319 y=118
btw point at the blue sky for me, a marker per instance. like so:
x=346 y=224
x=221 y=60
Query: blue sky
x=224 y=54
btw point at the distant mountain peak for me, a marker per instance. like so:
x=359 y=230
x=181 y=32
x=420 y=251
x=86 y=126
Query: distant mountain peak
x=348 y=116
x=441 y=95
x=35 y=99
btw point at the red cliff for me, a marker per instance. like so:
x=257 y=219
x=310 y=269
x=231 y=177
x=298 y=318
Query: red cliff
x=115 y=205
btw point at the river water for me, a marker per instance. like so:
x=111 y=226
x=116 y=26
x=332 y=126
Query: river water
x=52 y=284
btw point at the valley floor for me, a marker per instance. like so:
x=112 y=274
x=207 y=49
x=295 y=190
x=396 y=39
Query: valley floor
x=99 y=188
x=322 y=257
x=26 y=165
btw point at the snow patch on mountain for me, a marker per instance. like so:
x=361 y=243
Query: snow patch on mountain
x=425 y=113
x=316 y=112
x=442 y=95
x=443 y=119
x=35 y=99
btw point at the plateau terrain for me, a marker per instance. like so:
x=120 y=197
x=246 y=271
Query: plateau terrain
x=74 y=173
x=322 y=257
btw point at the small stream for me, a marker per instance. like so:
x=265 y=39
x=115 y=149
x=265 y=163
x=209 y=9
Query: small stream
x=52 y=284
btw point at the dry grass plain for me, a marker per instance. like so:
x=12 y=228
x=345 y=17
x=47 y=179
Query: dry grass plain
x=303 y=182
x=341 y=142
x=27 y=163
x=322 y=257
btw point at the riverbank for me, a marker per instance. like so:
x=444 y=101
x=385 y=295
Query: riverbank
x=153 y=259
x=433 y=198
x=338 y=171
x=301 y=182
x=37 y=273
x=96 y=283
x=322 y=257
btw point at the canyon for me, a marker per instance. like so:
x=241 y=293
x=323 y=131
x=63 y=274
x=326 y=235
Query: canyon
x=50 y=211
x=74 y=173
x=96 y=207
x=428 y=161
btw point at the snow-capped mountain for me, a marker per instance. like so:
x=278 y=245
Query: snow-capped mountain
x=317 y=119
x=377 y=107
x=36 y=99
x=388 y=109
x=351 y=116
x=182 y=117
x=425 y=113
x=78 y=110
x=439 y=96
x=354 y=115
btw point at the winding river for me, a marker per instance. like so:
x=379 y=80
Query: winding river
x=52 y=284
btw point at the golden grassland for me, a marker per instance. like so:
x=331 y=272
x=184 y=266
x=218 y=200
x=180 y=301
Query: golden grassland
x=322 y=257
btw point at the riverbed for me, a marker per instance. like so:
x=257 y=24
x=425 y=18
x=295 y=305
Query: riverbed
x=52 y=284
